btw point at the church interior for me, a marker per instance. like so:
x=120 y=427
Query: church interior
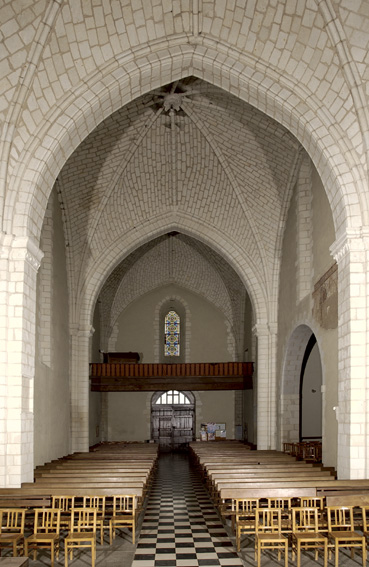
x=184 y=183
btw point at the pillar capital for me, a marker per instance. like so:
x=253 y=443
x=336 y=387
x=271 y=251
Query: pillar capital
x=81 y=330
x=260 y=329
x=264 y=329
x=352 y=240
x=20 y=248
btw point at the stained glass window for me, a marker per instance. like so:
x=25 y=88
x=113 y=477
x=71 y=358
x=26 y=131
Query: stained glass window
x=172 y=397
x=172 y=331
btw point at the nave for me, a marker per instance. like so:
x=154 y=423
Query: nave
x=181 y=527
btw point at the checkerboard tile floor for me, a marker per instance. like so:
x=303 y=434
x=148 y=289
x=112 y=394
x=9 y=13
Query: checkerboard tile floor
x=181 y=527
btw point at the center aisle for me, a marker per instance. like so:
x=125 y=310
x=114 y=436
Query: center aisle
x=181 y=527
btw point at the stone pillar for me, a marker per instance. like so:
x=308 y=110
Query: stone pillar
x=19 y=262
x=266 y=386
x=104 y=416
x=80 y=387
x=238 y=414
x=304 y=241
x=351 y=252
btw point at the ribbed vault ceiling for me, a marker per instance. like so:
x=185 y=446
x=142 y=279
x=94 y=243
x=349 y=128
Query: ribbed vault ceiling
x=186 y=148
x=174 y=259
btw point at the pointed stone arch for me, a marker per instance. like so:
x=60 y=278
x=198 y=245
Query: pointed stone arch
x=290 y=386
x=65 y=127
x=102 y=267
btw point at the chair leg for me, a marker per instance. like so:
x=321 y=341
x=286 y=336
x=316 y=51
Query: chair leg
x=336 y=550
x=286 y=554
x=52 y=553
x=66 y=554
x=14 y=549
x=364 y=552
x=258 y=555
x=133 y=532
x=93 y=554
x=298 y=554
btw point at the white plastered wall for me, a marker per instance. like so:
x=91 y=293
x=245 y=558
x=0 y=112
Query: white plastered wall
x=138 y=330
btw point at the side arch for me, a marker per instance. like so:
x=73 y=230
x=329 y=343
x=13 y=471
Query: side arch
x=290 y=386
x=310 y=392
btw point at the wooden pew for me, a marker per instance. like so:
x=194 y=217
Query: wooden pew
x=81 y=475
x=20 y=500
x=33 y=491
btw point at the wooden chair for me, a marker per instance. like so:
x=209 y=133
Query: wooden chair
x=316 y=502
x=46 y=533
x=124 y=514
x=284 y=504
x=82 y=533
x=305 y=533
x=268 y=534
x=341 y=531
x=12 y=528
x=365 y=521
x=312 y=502
x=245 y=517
x=97 y=502
x=65 y=504
x=288 y=448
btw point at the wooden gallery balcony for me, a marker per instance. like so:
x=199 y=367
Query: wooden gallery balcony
x=123 y=377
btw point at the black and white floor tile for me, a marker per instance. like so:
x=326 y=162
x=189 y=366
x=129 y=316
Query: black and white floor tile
x=180 y=527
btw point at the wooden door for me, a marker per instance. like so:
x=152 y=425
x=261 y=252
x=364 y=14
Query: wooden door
x=172 y=426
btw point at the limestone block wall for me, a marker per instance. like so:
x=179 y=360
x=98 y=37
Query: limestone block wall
x=249 y=412
x=96 y=433
x=51 y=384
x=297 y=317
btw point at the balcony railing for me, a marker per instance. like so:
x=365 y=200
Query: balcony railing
x=111 y=377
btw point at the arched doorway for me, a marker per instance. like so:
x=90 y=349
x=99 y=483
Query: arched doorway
x=311 y=393
x=172 y=419
x=297 y=355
